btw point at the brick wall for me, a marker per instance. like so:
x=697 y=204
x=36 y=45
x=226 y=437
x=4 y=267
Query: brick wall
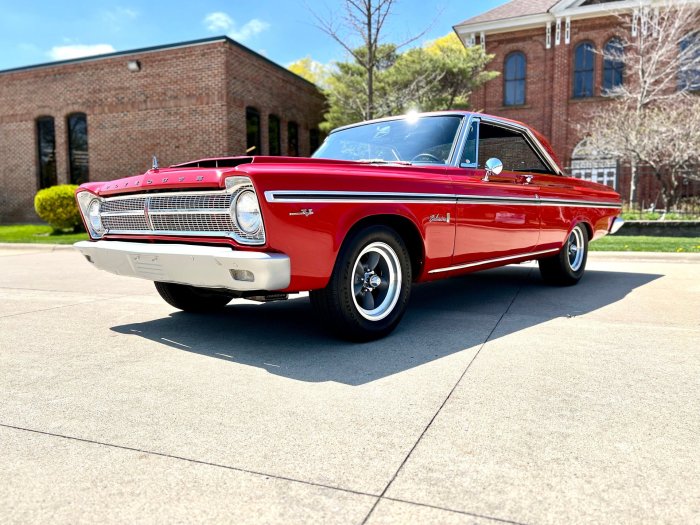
x=549 y=105
x=185 y=103
x=272 y=91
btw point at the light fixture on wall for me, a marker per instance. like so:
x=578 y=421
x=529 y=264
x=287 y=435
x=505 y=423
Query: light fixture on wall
x=133 y=66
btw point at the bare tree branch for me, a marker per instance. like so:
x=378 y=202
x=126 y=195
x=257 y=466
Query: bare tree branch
x=652 y=117
x=363 y=20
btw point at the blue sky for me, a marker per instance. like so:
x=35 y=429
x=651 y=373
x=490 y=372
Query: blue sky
x=35 y=32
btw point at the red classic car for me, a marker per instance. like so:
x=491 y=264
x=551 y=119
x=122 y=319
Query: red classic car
x=380 y=205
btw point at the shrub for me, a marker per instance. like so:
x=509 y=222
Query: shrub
x=56 y=205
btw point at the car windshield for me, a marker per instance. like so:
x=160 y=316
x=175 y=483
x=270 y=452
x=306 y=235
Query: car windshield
x=426 y=139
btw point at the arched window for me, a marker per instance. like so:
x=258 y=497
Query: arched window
x=273 y=135
x=46 y=146
x=293 y=139
x=689 y=73
x=252 y=129
x=613 y=66
x=584 y=69
x=514 y=72
x=78 y=148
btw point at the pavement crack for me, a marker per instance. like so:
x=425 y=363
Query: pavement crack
x=189 y=460
x=444 y=402
x=455 y=511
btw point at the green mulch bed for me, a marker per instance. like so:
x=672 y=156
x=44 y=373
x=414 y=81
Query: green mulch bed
x=639 y=243
x=36 y=233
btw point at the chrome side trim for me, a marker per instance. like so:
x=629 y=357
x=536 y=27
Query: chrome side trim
x=490 y=261
x=355 y=197
x=576 y=204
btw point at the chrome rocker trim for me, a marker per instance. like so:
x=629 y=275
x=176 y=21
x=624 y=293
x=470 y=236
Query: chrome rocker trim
x=491 y=261
x=206 y=266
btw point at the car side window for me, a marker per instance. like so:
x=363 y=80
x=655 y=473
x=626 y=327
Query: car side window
x=511 y=147
x=468 y=158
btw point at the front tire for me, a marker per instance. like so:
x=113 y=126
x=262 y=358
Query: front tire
x=566 y=267
x=192 y=298
x=369 y=288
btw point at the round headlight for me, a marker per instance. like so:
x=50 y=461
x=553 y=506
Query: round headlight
x=248 y=212
x=94 y=216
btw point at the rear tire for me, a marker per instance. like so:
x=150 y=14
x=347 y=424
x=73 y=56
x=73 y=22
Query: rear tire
x=369 y=288
x=566 y=267
x=192 y=298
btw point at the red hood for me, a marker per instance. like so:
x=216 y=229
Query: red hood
x=212 y=173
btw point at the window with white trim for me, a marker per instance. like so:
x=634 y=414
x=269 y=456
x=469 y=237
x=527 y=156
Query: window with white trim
x=588 y=164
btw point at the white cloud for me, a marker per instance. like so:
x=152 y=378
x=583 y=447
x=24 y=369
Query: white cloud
x=79 y=50
x=220 y=22
x=249 y=29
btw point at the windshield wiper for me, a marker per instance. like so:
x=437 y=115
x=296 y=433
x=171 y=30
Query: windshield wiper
x=384 y=161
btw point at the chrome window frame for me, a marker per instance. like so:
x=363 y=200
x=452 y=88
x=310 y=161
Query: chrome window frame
x=530 y=138
x=452 y=158
x=463 y=143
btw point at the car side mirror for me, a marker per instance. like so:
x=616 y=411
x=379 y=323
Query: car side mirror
x=493 y=167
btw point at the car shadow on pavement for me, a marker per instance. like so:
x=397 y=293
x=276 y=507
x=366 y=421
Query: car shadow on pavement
x=443 y=318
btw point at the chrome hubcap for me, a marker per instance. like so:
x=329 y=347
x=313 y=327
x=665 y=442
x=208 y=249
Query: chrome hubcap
x=376 y=281
x=575 y=249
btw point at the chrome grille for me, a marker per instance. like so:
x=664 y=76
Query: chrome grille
x=124 y=222
x=121 y=205
x=192 y=222
x=187 y=213
x=184 y=202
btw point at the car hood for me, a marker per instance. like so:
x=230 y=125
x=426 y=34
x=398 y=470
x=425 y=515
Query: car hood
x=212 y=173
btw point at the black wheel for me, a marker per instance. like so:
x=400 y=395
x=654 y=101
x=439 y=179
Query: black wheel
x=192 y=298
x=567 y=267
x=369 y=287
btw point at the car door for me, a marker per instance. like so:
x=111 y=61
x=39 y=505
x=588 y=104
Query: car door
x=498 y=214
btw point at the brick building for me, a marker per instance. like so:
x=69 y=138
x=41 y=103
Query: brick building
x=103 y=117
x=554 y=71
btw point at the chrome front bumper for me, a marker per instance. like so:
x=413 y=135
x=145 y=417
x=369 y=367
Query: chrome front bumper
x=207 y=266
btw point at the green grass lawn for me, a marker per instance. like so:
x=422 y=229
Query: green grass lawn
x=639 y=243
x=35 y=233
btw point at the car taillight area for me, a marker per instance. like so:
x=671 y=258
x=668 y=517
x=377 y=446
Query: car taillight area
x=233 y=213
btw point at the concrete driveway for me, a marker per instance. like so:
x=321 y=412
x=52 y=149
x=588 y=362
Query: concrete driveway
x=498 y=400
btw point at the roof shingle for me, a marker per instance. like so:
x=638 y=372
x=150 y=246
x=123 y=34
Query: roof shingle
x=512 y=9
